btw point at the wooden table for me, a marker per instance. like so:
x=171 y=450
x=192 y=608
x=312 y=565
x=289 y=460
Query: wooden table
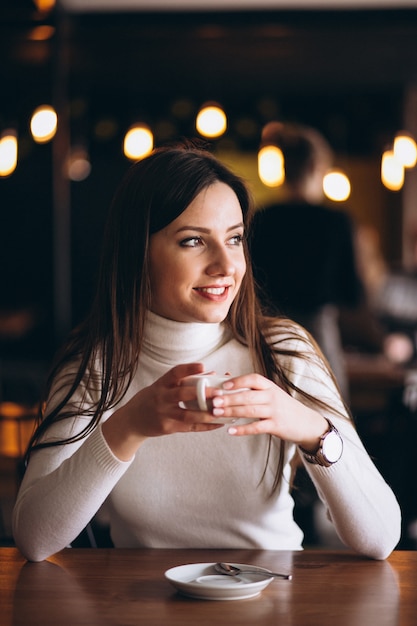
x=104 y=587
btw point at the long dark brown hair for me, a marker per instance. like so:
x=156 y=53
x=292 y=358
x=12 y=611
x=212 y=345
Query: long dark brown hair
x=106 y=346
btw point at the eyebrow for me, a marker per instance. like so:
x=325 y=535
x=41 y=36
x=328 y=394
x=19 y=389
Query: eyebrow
x=200 y=229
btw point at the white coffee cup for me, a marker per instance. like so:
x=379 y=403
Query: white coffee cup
x=201 y=382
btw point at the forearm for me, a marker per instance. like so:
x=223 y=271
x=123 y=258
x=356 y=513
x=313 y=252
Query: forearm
x=53 y=508
x=122 y=439
x=361 y=505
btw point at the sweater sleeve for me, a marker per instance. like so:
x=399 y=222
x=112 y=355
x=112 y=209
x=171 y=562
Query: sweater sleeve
x=359 y=502
x=63 y=488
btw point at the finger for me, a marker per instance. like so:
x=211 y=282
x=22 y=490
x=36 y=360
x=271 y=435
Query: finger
x=196 y=417
x=172 y=426
x=201 y=428
x=248 y=381
x=254 y=428
x=185 y=396
x=189 y=425
x=186 y=408
x=174 y=375
x=241 y=404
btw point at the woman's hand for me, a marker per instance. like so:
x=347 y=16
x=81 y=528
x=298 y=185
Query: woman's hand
x=156 y=411
x=276 y=412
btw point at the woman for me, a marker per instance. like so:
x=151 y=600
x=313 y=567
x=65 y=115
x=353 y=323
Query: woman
x=175 y=298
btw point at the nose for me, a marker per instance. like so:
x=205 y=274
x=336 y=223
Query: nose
x=221 y=263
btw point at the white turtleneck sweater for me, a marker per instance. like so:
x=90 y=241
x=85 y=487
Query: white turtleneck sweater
x=199 y=489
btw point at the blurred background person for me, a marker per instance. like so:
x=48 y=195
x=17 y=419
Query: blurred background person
x=394 y=301
x=303 y=251
x=396 y=306
x=390 y=303
x=305 y=264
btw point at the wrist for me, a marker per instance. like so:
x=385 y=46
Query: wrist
x=329 y=450
x=312 y=444
x=120 y=437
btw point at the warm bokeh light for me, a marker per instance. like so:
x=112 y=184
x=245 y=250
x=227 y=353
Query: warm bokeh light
x=271 y=166
x=392 y=171
x=16 y=428
x=336 y=186
x=8 y=152
x=405 y=150
x=211 y=121
x=78 y=164
x=45 y=5
x=43 y=124
x=138 y=142
x=42 y=33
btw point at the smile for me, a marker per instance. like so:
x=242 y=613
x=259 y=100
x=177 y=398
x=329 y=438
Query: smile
x=214 y=291
x=214 y=294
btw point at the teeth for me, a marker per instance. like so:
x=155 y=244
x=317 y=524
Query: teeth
x=215 y=291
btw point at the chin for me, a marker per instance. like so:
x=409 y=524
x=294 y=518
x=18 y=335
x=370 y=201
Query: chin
x=199 y=314
x=213 y=317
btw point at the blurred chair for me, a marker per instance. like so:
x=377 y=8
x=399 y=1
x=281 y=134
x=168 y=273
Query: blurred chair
x=17 y=423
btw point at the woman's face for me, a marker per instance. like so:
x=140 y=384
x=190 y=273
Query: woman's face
x=197 y=262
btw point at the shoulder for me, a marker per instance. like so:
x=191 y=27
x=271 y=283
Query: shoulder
x=340 y=217
x=287 y=337
x=304 y=366
x=74 y=387
x=265 y=215
x=295 y=350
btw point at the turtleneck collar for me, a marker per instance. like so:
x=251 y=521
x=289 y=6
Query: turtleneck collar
x=164 y=340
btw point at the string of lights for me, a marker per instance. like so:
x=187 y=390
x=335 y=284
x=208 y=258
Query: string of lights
x=211 y=122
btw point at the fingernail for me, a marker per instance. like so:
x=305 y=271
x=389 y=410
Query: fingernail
x=218 y=401
x=232 y=430
x=218 y=412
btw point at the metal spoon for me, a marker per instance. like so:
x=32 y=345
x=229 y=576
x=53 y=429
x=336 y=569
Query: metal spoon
x=231 y=570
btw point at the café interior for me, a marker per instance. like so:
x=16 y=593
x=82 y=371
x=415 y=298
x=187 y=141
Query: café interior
x=348 y=69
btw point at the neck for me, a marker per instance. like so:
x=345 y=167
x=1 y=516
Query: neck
x=166 y=340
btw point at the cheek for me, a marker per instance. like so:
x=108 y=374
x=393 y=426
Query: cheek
x=242 y=268
x=157 y=277
x=160 y=265
x=166 y=277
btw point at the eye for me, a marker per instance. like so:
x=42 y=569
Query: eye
x=191 y=242
x=236 y=240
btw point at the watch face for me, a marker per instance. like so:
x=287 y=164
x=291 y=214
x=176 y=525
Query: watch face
x=332 y=447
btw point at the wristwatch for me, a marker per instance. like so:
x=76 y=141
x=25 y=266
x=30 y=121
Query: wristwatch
x=330 y=448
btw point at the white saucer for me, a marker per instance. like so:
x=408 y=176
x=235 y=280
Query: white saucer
x=200 y=580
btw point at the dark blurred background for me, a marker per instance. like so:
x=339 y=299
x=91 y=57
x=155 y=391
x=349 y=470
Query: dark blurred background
x=349 y=73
